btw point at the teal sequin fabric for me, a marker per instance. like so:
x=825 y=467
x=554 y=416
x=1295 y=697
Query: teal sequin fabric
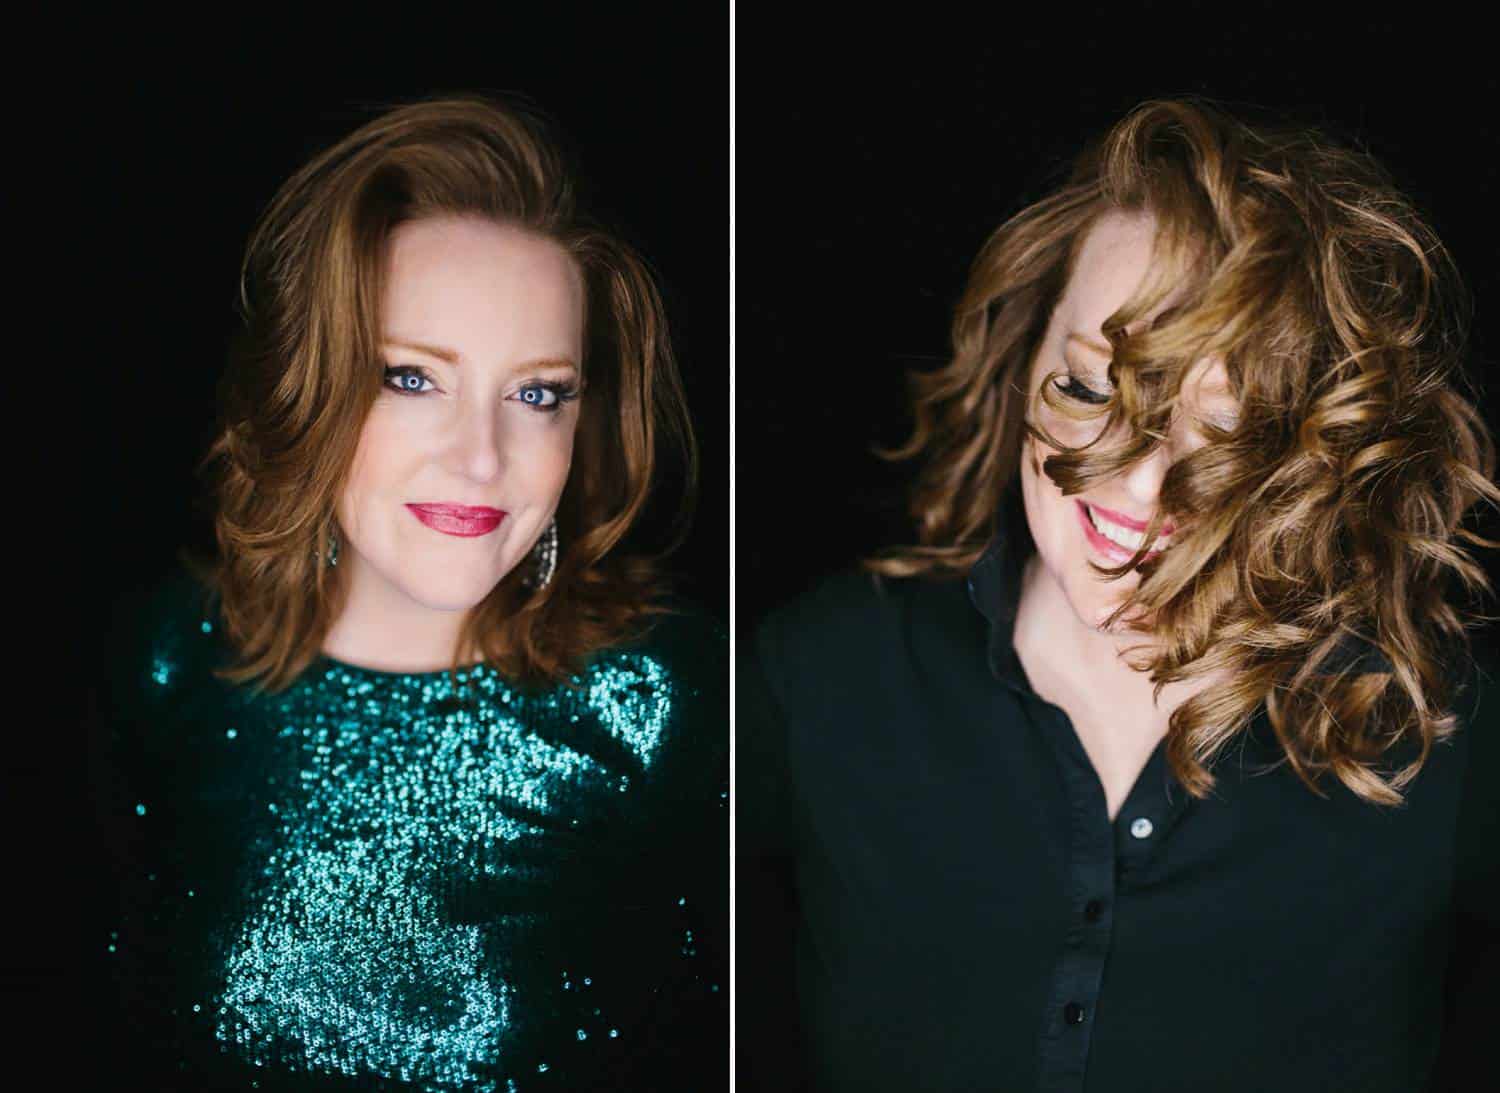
x=378 y=880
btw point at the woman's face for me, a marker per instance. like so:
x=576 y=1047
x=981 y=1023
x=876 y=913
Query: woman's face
x=483 y=343
x=1114 y=258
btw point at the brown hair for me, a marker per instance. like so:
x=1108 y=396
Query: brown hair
x=305 y=370
x=1330 y=512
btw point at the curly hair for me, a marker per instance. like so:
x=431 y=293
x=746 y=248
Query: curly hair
x=304 y=370
x=1330 y=512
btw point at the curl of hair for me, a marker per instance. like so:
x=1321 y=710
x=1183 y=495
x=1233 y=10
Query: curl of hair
x=1329 y=514
x=304 y=371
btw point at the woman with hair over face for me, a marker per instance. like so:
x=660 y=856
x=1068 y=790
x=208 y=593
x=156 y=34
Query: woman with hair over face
x=421 y=783
x=1193 y=486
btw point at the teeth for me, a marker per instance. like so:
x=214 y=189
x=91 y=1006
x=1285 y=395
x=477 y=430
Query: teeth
x=1131 y=540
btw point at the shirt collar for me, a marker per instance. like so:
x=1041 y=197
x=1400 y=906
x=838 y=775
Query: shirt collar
x=995 y=589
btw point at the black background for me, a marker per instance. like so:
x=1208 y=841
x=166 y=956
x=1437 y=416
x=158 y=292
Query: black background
x=191 y=163
x=138 y=155
x=875 y=156
x=875 y=159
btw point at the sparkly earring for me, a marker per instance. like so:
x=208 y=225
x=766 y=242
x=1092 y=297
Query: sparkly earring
x=333 y=548
x=544 y=555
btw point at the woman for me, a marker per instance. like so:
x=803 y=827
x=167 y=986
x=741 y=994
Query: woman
x=421 y=783
x=1192 y=492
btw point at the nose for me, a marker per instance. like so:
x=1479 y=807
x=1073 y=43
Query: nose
x=478 y=441
x=1143 y=478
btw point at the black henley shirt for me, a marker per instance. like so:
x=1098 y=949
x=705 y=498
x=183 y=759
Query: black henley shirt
x=967 y=917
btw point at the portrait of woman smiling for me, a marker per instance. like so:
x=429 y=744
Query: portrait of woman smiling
x=421 y=781
x=1163 y=757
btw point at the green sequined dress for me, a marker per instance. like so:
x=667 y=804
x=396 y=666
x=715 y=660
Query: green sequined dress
x=396 y=881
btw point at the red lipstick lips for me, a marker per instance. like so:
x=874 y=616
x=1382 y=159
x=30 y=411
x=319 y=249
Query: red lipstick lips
x=1126 y=522
x=1110 y=549
x=465 y=521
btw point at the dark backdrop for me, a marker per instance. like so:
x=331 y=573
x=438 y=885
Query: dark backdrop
x=190 y=164
x=138 y=155
x=873 y=160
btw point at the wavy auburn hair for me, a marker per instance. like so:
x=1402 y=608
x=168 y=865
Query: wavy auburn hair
x=305 y=370
x=1329 y=514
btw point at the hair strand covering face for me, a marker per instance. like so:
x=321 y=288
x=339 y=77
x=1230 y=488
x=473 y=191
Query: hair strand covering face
x=305 y=370
x=1332 y=510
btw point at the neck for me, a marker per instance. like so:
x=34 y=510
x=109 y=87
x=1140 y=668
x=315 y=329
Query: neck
x=1085 y=665
x=1087 y=662
x=383 y=629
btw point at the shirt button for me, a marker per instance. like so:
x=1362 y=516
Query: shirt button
x=1141 y=828
x=1092 y=910
x=1073 y=1013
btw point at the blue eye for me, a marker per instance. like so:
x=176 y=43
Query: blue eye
x=408 y=380
x=540 y=397
x=546 y=397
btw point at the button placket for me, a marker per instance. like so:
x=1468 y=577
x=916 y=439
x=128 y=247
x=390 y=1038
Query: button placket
x=1064 y=1045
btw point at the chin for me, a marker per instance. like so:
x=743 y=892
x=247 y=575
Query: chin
x=1122 y=627
x=454 y=592
x=1094 y=602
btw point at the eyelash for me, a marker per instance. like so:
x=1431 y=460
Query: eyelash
x=561 y=392
x=1075 y=390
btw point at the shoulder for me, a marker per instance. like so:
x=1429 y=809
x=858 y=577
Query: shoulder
x=685 y=640
x=686 y=633
x=666 y=694
x=856 y=614
x=678 y=660
x=855 y=631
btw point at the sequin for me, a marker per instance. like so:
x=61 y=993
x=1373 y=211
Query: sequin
x=413 y=855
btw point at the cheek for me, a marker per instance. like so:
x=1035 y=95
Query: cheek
x=1050 y=513
x=545 y=456
x=381 y=459
x=1073 y=433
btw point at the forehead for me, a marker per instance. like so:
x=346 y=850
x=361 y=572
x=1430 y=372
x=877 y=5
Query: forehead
x=457 y=248
x=454 y=278
x=1114 y=258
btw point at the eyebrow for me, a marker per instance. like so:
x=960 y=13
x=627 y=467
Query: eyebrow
x=452 y=356
x=1104 y=351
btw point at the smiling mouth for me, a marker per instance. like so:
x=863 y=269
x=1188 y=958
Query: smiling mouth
x=460 y=520
x=1108 y=547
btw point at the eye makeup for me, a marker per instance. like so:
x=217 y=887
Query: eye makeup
x=1079 y=392
x=402 y=375
x=543 y=396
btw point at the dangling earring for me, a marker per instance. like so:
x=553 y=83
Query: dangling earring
x=544 y=557
x=333 y=548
